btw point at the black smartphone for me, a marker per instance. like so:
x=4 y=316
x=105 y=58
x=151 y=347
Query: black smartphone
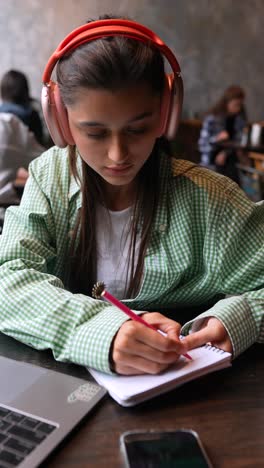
x=163 y=449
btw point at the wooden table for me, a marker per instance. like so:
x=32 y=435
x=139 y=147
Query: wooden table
x=226 y=408
x=227 y=144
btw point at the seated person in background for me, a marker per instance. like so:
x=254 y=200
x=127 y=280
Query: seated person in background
x=224 y=121
x=16 y=100
x=18 y=147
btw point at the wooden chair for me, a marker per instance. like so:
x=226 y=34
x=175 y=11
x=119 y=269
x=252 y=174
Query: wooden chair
x=258 y=160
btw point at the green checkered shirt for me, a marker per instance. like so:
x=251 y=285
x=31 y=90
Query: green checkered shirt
x=207 y=243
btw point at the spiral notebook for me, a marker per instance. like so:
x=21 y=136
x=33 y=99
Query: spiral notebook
x=131 y=390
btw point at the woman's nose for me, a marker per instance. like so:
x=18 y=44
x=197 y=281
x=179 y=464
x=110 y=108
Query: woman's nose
x=117 y=150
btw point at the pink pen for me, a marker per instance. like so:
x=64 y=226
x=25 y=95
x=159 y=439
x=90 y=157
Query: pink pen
x=99 y=291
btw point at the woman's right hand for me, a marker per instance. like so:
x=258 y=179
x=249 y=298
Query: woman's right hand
x=139 y=350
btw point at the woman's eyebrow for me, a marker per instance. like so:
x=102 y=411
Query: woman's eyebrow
x=90 y=124
x=94 y=123
x=142 y=116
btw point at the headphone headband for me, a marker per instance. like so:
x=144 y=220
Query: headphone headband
x=109 y=27
x=55 y=113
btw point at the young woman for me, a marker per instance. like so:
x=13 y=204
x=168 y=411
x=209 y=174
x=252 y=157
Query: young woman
x=224 y=121
x=113 y=206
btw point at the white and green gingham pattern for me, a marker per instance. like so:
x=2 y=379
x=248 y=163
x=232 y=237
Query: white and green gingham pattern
x=207 y=242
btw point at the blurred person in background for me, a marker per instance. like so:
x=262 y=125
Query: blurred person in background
x=18 y=147
x=224 y=121
x=16 y=100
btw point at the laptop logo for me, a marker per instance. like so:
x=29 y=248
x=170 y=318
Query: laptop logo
x=83 y=393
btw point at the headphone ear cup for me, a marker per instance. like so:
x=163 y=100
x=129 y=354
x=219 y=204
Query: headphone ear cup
x=165 y=107
x=175 y=105
x=62 y=117
x=59 y=132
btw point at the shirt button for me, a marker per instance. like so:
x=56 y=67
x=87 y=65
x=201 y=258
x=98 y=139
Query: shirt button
x=162 y=227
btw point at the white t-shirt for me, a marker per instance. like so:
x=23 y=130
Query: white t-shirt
x=113 y=237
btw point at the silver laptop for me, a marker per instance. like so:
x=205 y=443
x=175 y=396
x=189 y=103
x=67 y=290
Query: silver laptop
x=38 y=408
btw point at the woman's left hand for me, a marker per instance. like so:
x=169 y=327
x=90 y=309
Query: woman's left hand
x=212 y=331
x=220 y=158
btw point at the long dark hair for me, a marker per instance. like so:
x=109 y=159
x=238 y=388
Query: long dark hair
x=15 y=88
x=232 y=92
x=111 y=63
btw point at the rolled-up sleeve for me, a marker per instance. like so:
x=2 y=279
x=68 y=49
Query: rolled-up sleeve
x=239 y=248
x=36 y=308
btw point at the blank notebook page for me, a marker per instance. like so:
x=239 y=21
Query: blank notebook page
x=129 y=390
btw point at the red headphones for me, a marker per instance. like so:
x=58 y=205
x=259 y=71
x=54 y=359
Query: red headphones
x=54 y=111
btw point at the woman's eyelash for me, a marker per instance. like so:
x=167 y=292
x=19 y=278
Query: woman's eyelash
x=137 y=131
x=101 y=134
x=133 y=131
x=96 y=135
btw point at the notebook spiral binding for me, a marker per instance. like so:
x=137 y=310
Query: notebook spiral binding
x=213 y=348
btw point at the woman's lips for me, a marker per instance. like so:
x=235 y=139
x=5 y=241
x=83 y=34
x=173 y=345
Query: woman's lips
x=118 y=169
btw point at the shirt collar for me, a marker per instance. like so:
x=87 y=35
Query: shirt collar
x=161 y=219
x=74 y=188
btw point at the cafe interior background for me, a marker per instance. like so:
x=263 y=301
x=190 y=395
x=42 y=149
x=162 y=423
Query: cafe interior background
x=217 y=43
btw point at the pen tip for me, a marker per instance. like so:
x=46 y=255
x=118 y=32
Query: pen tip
x=98 y=289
